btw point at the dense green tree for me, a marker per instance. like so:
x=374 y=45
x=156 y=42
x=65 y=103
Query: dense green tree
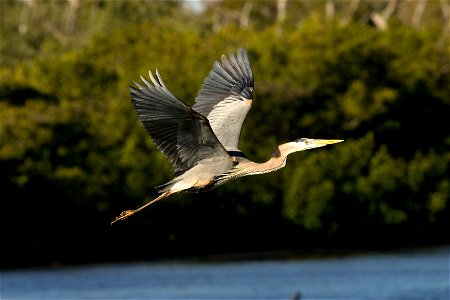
x=73 y=153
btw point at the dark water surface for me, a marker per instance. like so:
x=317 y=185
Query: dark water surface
x=405 y=275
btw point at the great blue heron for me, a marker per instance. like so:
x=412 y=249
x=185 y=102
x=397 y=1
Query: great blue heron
x=202 y=142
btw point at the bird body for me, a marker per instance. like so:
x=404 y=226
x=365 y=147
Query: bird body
x=202 y=142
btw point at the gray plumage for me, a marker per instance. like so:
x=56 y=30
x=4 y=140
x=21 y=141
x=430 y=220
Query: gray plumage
x=181 y=134
x=202 y=142
x=222 y=97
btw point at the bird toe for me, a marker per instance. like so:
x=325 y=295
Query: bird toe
x=123 y=215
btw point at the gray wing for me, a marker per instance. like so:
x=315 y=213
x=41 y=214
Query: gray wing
x=180 y=133
x=226 y=97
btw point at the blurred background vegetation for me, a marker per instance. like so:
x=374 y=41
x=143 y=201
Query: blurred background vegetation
x=73 y=153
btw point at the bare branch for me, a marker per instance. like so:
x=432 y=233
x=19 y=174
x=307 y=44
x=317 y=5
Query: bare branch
x=281 y=10
x=71 y=15
x=418 y=13
x=378 y=20
x=352 y=7
x=245 y=14
x=329 y=9
x=389 y=9
x=381 y=19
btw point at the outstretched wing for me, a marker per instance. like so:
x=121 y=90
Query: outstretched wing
x=180 y=133
x=226 y=97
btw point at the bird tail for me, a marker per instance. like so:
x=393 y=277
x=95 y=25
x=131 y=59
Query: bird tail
x=166 y=186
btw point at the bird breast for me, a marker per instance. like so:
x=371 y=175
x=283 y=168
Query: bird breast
x=203 y=175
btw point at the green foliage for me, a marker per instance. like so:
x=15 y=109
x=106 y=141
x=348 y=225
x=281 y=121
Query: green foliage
x=70 y=135
x=374 y=186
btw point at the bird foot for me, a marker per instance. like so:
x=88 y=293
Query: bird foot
x=125 y=214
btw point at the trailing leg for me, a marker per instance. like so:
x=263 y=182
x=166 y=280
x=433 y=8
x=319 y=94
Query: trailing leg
x=125 y=214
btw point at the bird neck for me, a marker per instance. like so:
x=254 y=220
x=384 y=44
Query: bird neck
x=276 y=162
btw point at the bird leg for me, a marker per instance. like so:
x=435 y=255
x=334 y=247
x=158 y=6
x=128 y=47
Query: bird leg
x=125 y=214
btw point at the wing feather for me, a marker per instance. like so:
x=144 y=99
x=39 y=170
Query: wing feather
x=181 y=134
x=225 y=97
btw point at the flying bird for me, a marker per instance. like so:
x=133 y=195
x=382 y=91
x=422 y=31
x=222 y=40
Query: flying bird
x=202 y=142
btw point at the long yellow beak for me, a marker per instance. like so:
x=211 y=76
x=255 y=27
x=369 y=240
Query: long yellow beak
x=319 y=143
x=306 y=144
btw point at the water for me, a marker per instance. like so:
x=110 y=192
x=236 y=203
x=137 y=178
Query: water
x=401 y=275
